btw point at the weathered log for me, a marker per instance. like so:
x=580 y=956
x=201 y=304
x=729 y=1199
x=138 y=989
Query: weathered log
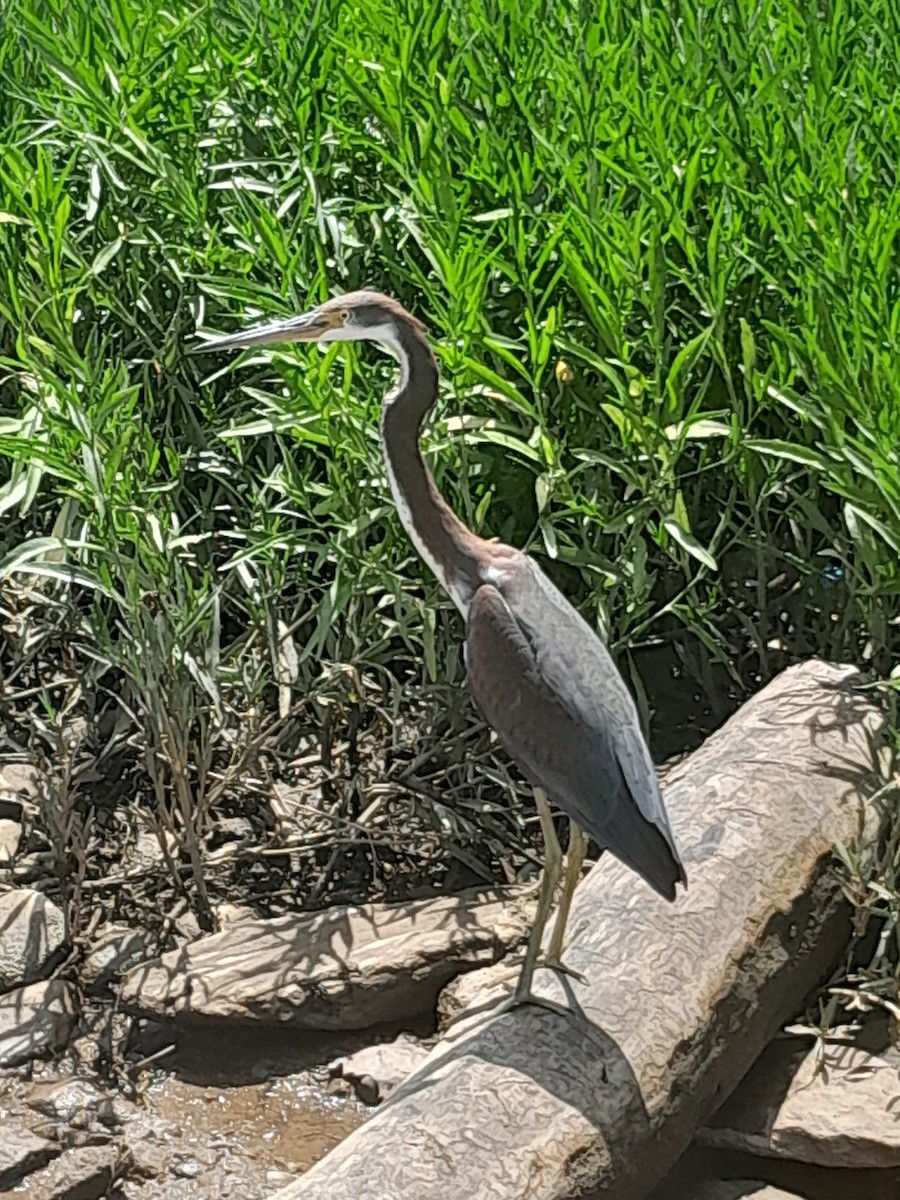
x=838 y=1111
x=679 y=999
x=344 y=968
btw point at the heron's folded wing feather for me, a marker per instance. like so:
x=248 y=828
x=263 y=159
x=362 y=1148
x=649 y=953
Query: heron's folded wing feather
x=575 y=761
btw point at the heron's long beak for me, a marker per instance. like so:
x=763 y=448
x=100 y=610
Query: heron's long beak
x=307 y=328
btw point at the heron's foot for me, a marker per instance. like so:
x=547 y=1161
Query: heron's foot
x=519 y=998
x=492 y=1007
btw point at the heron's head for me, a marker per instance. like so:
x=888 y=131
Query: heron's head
x=354 y=317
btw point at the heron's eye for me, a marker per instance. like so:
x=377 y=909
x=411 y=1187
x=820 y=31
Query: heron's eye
x=345 y=316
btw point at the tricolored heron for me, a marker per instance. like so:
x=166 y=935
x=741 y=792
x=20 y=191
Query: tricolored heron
x=541 y=676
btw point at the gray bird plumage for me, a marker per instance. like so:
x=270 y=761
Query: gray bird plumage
x=546 y=683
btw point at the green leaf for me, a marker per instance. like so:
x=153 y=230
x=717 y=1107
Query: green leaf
x=690 y=543
x=776 y=448
x=698 y=430
x=105 y=256
x=548 y=533
x=853 y=515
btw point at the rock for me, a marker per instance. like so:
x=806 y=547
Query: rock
x=345 y=968
x=32 y=931
x=149 y=1143
x=74 y=1102
x=10 y=835
x=84 y=1173
x=116 y=950
x=279 y=1179
x=231 y=829
x=845 y=1115
x=234 y=914
x=21 y=1152
x=678 y=1000
x=739 y=1189
x=377 y=1071
x=145 y=854
x=16 y=780
x=466 y=990
x=35 y=1020
x=188 y=927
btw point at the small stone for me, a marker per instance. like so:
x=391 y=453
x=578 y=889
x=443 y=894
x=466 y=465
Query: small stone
x=738 y=1189
x=188 y=1168
x=188 y=926
x=74 y=1102
x=279 y=1179
x=339 y=1087
x=148 y=1141
x=86 y=1052
x=117 y=1111
x=377 y=1071
x=32 y=930
x=116 y=950
x=231 y=829
x=233 y=914
x=17 y=779
x=10 y=835
x=35 y=1020
x=84 y=1173
x=21 y=1152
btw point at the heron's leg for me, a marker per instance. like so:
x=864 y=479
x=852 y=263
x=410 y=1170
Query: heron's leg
x=549 y=880
x=575 y=856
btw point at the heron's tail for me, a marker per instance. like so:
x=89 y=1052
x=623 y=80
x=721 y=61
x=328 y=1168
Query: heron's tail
x=647 y=849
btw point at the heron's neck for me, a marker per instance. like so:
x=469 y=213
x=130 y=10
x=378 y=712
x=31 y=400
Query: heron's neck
x=443 y=541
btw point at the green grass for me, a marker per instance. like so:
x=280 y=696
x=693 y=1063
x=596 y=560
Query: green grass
x=693 y=207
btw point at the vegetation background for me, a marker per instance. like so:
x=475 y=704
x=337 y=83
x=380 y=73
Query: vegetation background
x=657 y=249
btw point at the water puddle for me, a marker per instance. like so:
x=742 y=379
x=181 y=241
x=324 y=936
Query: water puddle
x=240 y=1111
x=287 y=1124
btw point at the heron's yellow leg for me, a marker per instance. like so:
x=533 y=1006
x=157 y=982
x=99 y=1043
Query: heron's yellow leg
x=549 y=879
x=550 y=875
x=575 y=856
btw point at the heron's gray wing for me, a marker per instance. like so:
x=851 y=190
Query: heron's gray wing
x=562 y=745
x=576 y=664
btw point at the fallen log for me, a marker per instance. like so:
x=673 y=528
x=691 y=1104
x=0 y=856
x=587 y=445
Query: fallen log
x=679 y=1000
x=344 y=968
x=838 y=1110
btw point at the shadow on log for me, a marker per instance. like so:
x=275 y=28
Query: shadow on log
x=679 y=999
